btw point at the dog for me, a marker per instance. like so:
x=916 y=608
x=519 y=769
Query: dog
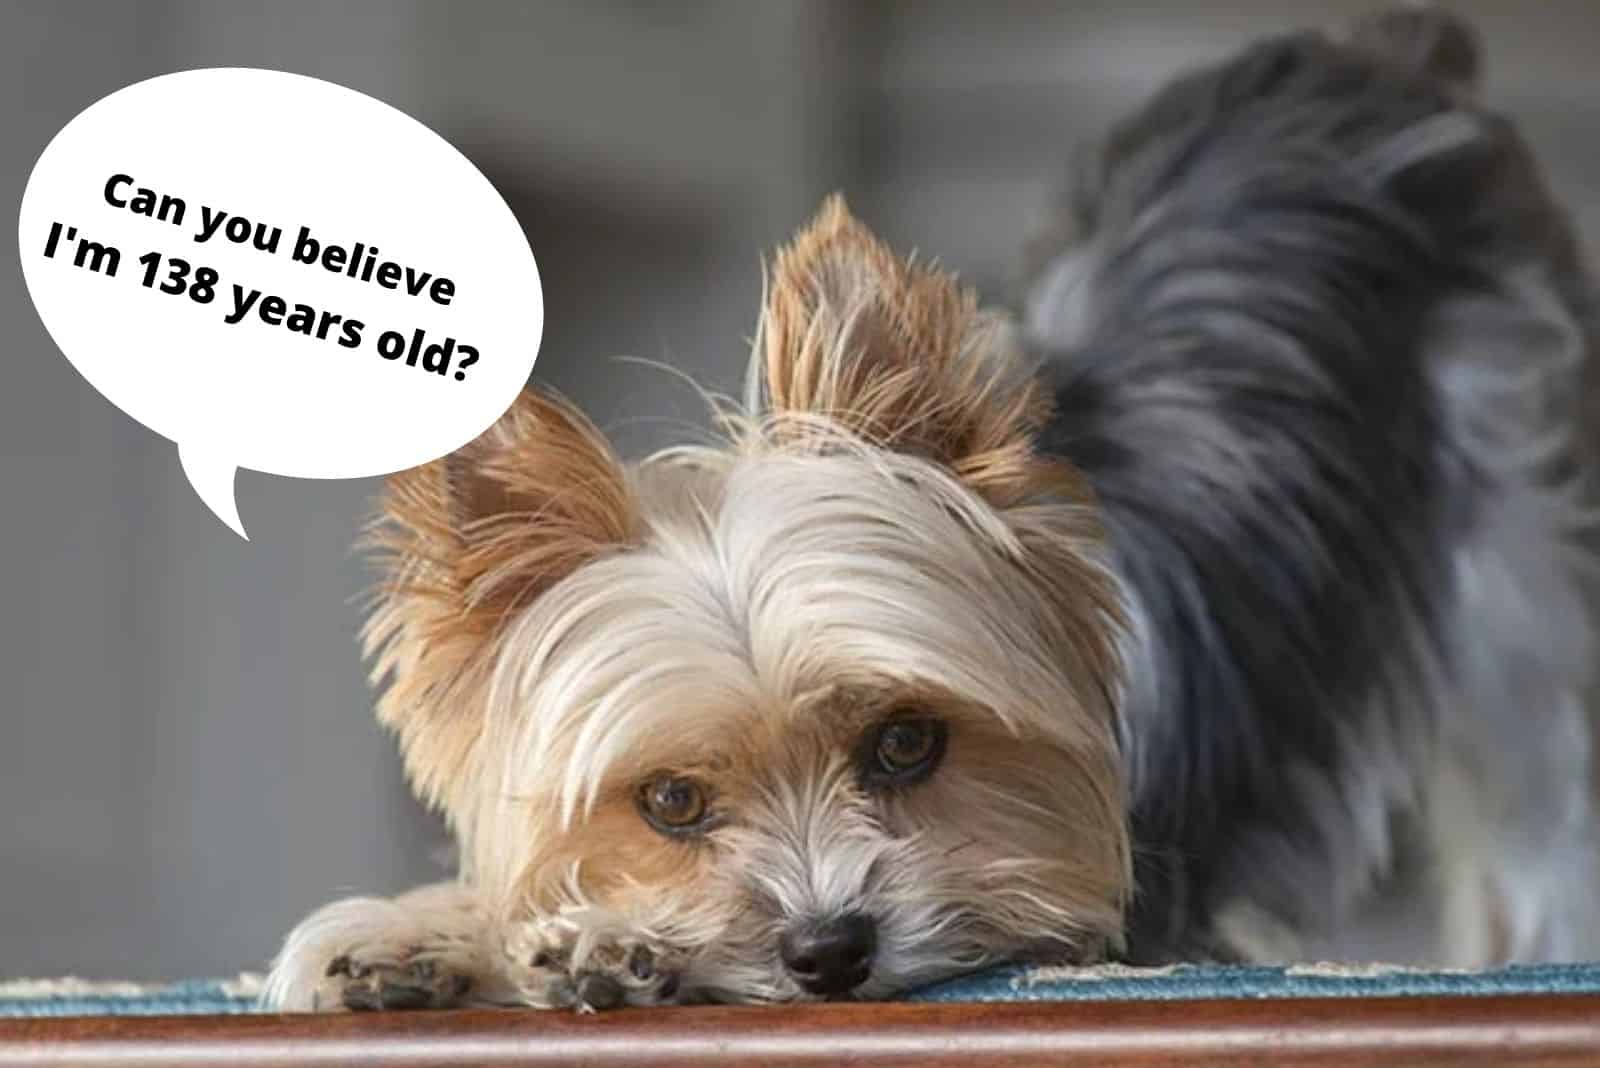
x=1232 y=601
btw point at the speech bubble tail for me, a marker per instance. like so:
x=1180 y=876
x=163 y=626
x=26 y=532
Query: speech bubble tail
x=213 y=483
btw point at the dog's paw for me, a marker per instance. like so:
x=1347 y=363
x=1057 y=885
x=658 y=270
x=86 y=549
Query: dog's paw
x=426 y=949
x=417 y=983
x=590 y=960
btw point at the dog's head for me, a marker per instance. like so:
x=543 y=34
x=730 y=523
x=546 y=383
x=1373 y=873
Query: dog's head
x=829 y=709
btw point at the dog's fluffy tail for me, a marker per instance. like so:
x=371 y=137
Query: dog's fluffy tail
x=1423 y=39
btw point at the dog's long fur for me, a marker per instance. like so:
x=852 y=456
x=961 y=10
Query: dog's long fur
x=1253 y=591
x=1320 y=340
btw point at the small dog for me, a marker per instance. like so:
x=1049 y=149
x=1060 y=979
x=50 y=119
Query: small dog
x=1238 y=606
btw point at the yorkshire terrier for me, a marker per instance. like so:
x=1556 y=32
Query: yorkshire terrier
x=1235 y=605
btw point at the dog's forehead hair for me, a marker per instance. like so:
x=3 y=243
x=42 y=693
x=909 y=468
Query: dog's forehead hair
x=735 y=748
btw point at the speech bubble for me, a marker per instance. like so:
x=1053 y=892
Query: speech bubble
x=281 y=274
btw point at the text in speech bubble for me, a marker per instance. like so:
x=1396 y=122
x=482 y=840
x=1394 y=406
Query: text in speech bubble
x=281 y=274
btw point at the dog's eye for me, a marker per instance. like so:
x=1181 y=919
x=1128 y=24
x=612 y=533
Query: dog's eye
x=903 y=751
x=675 y=805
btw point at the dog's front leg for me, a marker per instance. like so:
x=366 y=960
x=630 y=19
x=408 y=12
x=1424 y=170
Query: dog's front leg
x=430 y=948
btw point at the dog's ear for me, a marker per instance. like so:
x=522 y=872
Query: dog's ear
x=465 y=543
x=898 y=353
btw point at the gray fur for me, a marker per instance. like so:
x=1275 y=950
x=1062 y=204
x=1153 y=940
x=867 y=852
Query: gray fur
x=1322 y=342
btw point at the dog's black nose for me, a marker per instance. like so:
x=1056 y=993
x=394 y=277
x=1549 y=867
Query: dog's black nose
x=832 y=956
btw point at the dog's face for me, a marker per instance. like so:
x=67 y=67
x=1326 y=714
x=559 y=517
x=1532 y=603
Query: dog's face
x=830 y=710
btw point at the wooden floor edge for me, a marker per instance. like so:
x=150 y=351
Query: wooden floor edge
x=1540 y=1029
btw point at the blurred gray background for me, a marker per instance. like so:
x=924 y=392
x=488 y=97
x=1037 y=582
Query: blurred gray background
x=188 y=762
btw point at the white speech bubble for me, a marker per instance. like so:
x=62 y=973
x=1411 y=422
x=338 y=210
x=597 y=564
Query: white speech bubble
x=289 y=390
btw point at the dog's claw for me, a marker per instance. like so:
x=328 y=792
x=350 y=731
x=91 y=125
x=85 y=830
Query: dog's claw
x=599 y=992
x=387 y=996
x=416 y=984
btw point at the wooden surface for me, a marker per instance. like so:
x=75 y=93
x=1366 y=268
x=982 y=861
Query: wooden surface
x=1462 y=1031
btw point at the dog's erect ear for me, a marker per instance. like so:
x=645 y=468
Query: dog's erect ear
x=897 y=352
x=465 y=543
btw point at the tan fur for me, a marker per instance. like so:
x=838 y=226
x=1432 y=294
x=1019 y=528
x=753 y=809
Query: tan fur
x=878 y=535
x=899 y=353
x=1010 y=831
x=466 y=542
x=895 y=351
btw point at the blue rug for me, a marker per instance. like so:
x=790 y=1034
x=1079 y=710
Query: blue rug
x=70 y=997
x=75 y=997
x=1198 y=982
